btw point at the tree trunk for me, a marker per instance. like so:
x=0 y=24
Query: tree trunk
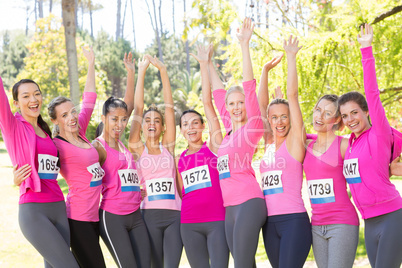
x=124 y=19
x=118 y=20
x=90 y=17
x=40 y=7
x=76 y=14
x=158 y=39
x=50 y=6
x=174 y=25
x=160 y=16
x=132 y=19
x=116 y=86
x=36 y=11
x=72 y=62
x=187 y=49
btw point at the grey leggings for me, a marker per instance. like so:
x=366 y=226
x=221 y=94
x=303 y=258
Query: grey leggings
x=242 y=226
x=204 y=241
x=335 y=245
x=383 y=237
x=45 y=226
x=126 y=238
x=164 y=233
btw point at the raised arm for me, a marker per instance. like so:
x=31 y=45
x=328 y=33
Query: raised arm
x=263 y=96
x=7 y=119
x=244 y=35
x=378 y=117
x=129 y=63
x=212 y=119
x=134 y=141
x=89 y=95
x=297 y=133
x=169 y=138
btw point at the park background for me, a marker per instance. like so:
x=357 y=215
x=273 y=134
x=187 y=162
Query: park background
x=33 y=45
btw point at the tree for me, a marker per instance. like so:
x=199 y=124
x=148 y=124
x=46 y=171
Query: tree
x=68 y=8
x=155 y=27
x=118 y=20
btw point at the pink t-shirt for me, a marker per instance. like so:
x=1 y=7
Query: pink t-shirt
x=366 y=164
x=326 y=186
x=202 y=196
x=120 y=185
x=158 y=177
x=281 y=181
x=83 y=174
x=46 y=164
x=235 y=154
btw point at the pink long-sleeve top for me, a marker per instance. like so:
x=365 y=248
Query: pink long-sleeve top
x=81 y=169
x=235 y=154
x=20 y=139
x=366 y=165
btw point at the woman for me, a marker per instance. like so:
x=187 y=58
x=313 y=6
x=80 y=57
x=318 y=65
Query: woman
x=335 y=224
x=42 y=210
x=366 y=165
x=202 y=211
x=287 y=231
x=121 y=225
x=242 y=197
x=156 y=170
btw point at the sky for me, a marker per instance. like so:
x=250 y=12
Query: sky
x=13 y=17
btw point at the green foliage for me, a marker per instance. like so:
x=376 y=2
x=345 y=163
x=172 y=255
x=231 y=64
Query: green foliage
x=12 y=57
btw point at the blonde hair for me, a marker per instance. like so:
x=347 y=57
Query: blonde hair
x=233 y=89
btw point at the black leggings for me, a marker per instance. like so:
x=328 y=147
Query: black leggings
x=287 y=239
x=126 y=238
x=383 y=237
x=85 y=244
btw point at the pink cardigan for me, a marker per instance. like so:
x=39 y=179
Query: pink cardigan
x=20 y=139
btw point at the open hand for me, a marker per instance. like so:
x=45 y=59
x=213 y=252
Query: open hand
x=365 y=38
x=278 y=93
x=246 y=31
x=202 y=54
x=89 y=55
x=156 y=62
x=129 y=62
x=272 y=63
x=143 y=63
x=21 y=173
x=291 y=46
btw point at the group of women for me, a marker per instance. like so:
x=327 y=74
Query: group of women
x=207 y=198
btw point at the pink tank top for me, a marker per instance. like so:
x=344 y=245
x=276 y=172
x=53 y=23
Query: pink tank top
x=158 y=176
x=326 y=187
x=120 y=185
x=46 y=164
x=281 y=181
x=202 y=196
x=81 y=169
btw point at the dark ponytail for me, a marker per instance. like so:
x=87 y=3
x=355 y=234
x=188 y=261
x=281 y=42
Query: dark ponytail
x=110 y=103
x=41 y=123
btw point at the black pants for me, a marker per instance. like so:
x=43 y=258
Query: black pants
x=85 y=244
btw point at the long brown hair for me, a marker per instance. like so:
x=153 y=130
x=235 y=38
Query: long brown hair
x=42 y=123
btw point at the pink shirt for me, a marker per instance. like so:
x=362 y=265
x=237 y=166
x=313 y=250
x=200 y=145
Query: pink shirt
x=120 y=185
x=158 y=177
x=81 y=169
x=235 y=155
x=281 y=181
x=202 y=196
x=366 y=165
x=326 y=185
x=46 y=162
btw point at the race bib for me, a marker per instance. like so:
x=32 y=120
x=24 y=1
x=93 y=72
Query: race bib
x=97 y=174
x=321 y=191
x=351 y=170
x=47 y=166
x=160 y=189
x=223 y=167
x=129 y=180
x=271 y=182
x=196 y=178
